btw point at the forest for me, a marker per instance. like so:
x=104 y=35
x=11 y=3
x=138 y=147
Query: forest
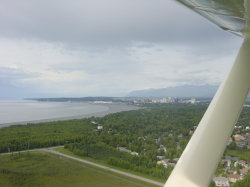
x=146 y=135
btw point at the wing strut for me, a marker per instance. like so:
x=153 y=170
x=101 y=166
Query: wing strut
x=203 y=152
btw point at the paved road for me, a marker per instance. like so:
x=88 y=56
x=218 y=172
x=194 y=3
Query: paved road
x=50 y=150
x=37 y=149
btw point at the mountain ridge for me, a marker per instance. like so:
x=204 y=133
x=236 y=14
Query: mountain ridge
x=177 y=91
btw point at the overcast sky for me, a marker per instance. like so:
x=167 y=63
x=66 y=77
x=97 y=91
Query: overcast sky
x=54 y=48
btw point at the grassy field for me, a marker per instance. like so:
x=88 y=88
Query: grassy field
x=44 y=169
x=66 y=151
x=242 y=154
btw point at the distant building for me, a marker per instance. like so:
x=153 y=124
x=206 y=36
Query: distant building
x=170 y=100
x=243 y=163
x=247 y=134
x=238 y=138
x=234 y=177
x=221 y=181
x=191 y=101
x=124 y=149
x=166 y=163
x=237 y=127
x=134 y=153
x=93 y=122
x=163 y=100
x=99 y=127
x=226 y=162
x=162 y=162
x=244 y=171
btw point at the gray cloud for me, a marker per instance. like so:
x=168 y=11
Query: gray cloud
x=109 y=22
x=111 y=47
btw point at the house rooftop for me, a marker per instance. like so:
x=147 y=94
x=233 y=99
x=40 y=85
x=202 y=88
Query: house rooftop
x=234 y=176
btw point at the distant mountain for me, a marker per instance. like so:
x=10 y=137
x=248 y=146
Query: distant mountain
x=206 y=91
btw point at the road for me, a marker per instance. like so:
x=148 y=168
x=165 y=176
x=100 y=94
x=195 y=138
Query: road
x=50 y=150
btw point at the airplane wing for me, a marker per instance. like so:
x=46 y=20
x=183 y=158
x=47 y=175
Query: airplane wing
x=229 y=15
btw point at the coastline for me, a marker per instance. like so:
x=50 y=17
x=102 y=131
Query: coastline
x=112 y=108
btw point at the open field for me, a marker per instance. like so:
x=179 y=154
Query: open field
x=242 y=154
x=44 y=169
x=67 y=152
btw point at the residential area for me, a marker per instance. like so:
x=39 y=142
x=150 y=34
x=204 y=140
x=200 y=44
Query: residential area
x=232 y=169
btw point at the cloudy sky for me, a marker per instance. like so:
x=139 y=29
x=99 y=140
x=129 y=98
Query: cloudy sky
x=55 y=48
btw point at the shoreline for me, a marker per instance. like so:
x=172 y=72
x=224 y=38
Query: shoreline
x=112 y=108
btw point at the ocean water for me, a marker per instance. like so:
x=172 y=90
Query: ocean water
x=23 y=111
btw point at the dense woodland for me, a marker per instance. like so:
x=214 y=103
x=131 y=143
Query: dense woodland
x=142 y=131
x=123 y=128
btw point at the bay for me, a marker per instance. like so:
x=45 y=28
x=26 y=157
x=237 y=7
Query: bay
x=29 y=111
